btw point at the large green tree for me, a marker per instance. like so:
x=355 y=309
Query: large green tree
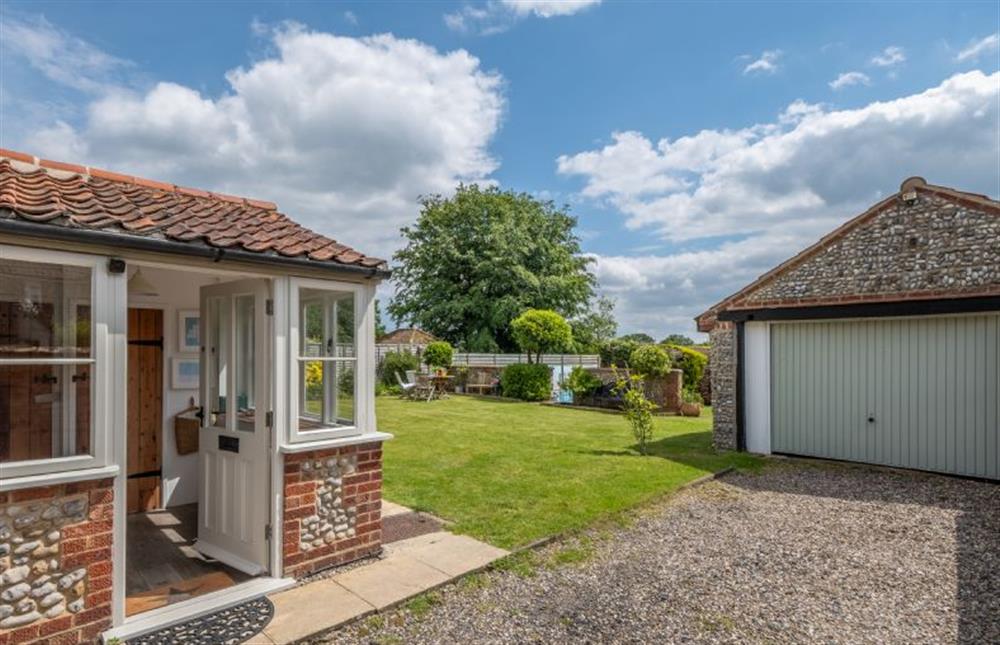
x=475 y=261
x=595 y=326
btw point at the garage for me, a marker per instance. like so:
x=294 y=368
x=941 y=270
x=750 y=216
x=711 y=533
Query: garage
x=878 y=344
x=915 y=393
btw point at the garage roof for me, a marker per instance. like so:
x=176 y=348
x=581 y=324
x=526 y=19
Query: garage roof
x=908 y=189
x=80 y=198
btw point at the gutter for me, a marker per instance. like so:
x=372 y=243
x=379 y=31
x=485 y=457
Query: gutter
x=142 y=243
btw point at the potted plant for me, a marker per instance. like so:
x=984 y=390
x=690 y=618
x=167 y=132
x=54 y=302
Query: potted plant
x=691 y=405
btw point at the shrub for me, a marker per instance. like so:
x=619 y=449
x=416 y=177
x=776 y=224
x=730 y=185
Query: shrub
x=397 y=363
x=537 y=331
x=693 y=364
x=637 y=408
x=581 y=382
x=617 y=352
x=527 y=381
x=438 y=354
x=690 y=396
x=650 y=361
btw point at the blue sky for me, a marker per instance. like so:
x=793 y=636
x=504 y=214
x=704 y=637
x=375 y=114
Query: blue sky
x=698 y=143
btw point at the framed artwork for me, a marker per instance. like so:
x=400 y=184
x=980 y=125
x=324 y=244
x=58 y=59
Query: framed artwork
x=184 y=373
x=189 y=330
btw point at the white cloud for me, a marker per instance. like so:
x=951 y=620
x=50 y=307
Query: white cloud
x=58 y=55
x=846 y=79
x=890 y=56
x=351 y=18
x=766 y=64
x=977 y=48
x=548 y=8
x=746 y=199
x=497 y=16
x=344 y=133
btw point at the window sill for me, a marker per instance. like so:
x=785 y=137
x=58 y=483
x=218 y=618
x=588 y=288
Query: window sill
x=325 y=444
x=54 y=479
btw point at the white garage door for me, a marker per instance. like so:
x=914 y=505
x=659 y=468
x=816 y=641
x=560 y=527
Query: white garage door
x=913 y=392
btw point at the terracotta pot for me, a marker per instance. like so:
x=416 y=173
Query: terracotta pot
x=691 y=409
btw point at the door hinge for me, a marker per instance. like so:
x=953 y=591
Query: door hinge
x=269 y=419
x=269 y=307
x=268 y=532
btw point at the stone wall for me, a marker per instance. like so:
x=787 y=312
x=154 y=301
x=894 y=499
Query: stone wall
x=333 y=507
x=55 y=563
x=723 y=359
x=935 y=247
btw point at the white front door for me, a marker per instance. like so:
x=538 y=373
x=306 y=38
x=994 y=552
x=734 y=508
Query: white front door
x=233 y=491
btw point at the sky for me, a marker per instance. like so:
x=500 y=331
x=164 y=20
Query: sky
x=698 y=144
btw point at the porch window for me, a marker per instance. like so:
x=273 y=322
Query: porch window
x=328 y=359
x=48 y=361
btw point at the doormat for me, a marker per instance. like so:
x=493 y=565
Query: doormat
x=226 y=627
x=407 y=525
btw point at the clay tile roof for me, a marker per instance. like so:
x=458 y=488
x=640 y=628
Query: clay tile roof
x=68 y=195
x=407 y=337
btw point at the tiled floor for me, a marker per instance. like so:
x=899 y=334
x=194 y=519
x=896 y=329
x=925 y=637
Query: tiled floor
x=162 y=565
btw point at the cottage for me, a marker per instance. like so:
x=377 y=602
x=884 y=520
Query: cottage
x=187 y=414
x=879 y=344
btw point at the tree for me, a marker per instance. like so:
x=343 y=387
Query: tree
x=595 y=326
x=438 y=354
x=677 y=339
x=379 y=325
x=640 y=337
x=474 y=261
x=541 y=331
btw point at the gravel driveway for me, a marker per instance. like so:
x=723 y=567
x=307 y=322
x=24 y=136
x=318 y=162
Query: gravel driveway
x=801 y=552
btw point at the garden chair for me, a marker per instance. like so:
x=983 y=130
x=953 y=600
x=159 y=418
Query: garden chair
x=424 y=388
x=408 y=387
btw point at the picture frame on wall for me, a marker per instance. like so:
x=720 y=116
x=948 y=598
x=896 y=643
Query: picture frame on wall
x=184 y=373
x=189 y=330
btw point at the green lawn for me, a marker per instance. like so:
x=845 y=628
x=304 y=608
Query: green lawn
x=510 y=473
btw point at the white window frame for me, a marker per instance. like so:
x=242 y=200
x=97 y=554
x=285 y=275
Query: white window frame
x=105 y=291
x=364 y=360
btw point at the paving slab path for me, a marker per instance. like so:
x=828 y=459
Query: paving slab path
x=408 y=568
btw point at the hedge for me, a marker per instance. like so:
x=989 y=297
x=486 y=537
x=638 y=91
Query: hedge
x=527 y=381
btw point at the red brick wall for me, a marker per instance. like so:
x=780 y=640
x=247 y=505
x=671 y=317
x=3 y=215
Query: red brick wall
x=80 y=545
x=307 y=480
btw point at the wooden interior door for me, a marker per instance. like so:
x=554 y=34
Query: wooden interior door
x=145 y=408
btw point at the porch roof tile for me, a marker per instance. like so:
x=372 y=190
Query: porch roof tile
x=73 y=196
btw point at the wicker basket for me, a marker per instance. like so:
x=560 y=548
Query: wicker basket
x=186 y=426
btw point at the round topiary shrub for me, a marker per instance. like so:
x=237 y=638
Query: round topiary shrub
x=527 y=381
x=438 y=354
x=650 y=361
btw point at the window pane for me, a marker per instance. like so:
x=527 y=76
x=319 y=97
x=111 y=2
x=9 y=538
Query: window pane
x=44 y=411
x=218 y=357
x=44 y=310
x=244 y=362
x=327 y=394
x=327 y=324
